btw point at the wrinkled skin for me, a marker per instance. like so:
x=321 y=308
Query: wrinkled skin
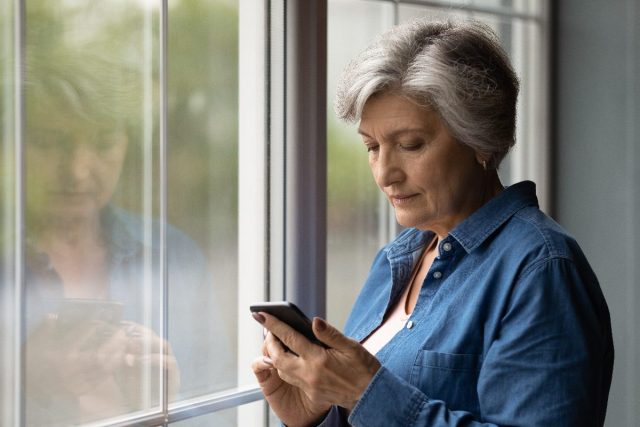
x=301 y=389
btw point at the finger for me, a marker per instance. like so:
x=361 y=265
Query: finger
x=274 y=347
x=261 y=369
x=267 y=376
x=147 y=345
x=82 y=337
x=329 y=335
x=264 y=348
x=289 y=336
x=111 y=354
x=154 y=361
x=278 y=355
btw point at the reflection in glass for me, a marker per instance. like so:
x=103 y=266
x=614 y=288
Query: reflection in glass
x=7 y=217
x=93 y=346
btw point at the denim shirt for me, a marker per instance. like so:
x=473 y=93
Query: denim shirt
x=510 y=327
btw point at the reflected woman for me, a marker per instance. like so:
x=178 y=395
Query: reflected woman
x=93 y=270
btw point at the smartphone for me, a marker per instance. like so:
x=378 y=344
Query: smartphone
x=77 y=317
x=73 y=311
x=290 y=314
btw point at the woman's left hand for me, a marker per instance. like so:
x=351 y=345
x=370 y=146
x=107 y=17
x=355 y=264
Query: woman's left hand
x=338 y=374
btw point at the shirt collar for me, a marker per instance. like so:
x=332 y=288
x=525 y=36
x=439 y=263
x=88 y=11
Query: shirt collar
x=474 y=230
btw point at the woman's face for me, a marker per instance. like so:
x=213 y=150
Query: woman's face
x=72 y=169
x=432 y=181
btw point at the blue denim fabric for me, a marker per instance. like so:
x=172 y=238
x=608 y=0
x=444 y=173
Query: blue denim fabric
x=510 y=328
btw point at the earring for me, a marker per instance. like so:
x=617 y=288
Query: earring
x=484 y=164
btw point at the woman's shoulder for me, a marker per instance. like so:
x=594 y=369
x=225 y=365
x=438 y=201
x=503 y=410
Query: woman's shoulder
x=531 y=230
x=124 y=227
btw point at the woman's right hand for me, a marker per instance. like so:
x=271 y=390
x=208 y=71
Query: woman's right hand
x=291 y=404
x=91 y=369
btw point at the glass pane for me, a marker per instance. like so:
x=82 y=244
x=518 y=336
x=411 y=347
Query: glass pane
x=202 y=188
x=93 y=279
x=7 y=209
x=355 y=214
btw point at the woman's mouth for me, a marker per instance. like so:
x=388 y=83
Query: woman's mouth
x=402 y=199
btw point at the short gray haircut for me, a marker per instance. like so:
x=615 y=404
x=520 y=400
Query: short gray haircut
x=457 y=68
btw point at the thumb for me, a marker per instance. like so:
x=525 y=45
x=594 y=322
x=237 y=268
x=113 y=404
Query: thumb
x=329 y=335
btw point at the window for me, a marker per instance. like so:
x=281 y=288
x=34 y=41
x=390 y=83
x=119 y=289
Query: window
x=119 y=240
x=166 y=163
x=359 y=218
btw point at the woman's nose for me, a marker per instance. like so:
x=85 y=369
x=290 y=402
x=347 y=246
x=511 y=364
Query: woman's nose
x=79 y=162
x=388 y=169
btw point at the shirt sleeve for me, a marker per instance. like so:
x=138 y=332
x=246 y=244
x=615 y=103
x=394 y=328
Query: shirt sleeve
x=337 y=417
x=548 y=364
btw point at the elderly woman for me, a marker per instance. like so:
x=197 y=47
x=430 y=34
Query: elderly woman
x=483 y=311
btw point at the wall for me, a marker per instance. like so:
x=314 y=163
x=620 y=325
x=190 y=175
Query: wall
x=597 y=167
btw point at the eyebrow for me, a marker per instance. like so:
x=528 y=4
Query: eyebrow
x=394 y=134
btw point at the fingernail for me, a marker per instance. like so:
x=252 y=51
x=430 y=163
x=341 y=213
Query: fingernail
x=321 y=324
x=267 y=360
x=259 y=317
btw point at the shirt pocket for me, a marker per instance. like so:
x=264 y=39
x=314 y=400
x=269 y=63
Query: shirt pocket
x=452 y=378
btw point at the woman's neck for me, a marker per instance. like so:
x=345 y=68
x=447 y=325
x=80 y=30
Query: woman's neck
x=78 y=254
x=486 y=190
x=68 y=235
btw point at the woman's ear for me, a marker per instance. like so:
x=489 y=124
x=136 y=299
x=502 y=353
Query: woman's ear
x=481 y=161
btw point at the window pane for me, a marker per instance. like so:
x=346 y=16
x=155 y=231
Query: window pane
x=7 y=209
x=356 y=225
x=202 y=188
x=93 y=278
x=519 y=6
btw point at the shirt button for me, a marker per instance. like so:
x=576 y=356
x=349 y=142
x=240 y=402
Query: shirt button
x=410 y=324
x=447 y=246
x=437 y=275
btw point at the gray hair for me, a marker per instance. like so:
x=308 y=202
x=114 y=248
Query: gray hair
x=458 y=69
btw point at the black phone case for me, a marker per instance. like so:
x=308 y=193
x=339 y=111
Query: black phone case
x=290 y=314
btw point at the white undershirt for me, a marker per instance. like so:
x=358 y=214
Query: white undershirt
x=390 y=326
x=397 y=319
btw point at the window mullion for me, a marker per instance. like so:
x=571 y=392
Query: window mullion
x=306 y=163
x=164 y=297
x=19 y=215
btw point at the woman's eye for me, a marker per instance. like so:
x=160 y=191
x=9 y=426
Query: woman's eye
x=371 y=148
x=414 y=146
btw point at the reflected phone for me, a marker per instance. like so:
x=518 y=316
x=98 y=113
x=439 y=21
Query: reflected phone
x=76 y=316
x=73 y=311
x=290 y=314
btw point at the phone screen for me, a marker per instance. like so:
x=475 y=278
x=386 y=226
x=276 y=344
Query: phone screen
x=93 y=320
